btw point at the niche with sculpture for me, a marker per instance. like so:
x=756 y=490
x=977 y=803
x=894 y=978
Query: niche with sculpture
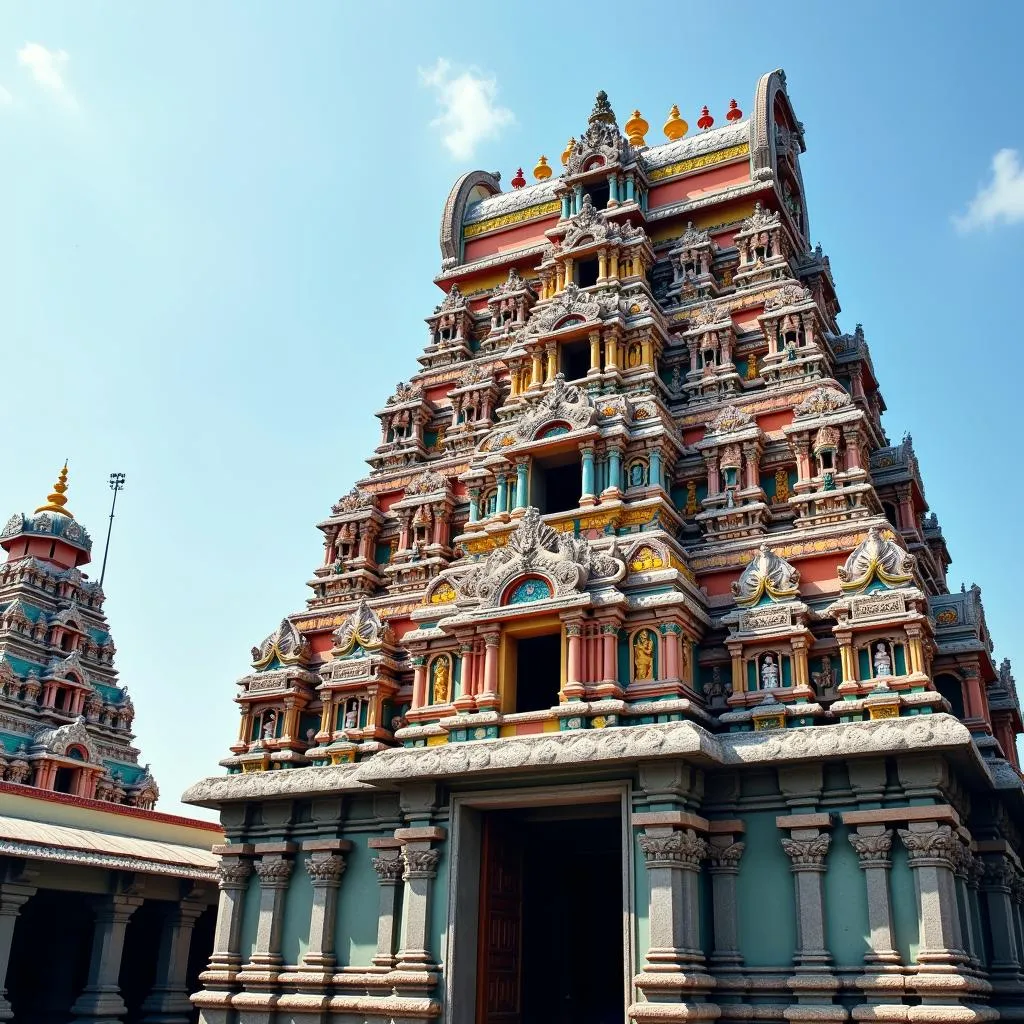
x=643 y=656
x=441 y=680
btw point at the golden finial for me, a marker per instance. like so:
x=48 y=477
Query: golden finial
x=542 y=171
x=675 y=126
x=569 y=147
x=56 y=501
x=636 y=128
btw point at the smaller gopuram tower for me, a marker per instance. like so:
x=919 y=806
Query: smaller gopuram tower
x=65 y=723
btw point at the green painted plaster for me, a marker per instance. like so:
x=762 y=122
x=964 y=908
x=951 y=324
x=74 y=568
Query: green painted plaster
x=764 y=894
x=439 y=906
x=250 y=918
x=355 y=932
x=904 y=906
x=298 y=907
x=846 y=903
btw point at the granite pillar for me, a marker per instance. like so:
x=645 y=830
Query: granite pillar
x=168 y=1002
x=13 y=896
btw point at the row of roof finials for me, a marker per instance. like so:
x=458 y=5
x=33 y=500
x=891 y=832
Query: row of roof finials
x=636 y=129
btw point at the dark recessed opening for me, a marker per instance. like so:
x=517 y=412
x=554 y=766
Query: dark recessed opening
x=538 y=672
x=65 y=780
x=575 y=360
x=599 y=194
x=557 y=483
x=951 y=688
x=586 y=272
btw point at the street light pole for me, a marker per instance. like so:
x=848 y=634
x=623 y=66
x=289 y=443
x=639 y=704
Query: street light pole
x=116 y=484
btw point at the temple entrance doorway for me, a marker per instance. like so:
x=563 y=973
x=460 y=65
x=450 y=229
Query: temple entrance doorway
x=550 y=932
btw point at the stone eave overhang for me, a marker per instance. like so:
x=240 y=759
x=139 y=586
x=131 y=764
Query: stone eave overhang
x=597 y=750
x=499 y=259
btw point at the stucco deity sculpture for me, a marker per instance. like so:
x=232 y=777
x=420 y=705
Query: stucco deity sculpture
x=442 y=681
x=882 y=662
x=643 y=655
x=769 y=673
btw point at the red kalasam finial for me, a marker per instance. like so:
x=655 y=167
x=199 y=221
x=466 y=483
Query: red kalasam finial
x=734 y=112
x=705 y=121
x=519 y=180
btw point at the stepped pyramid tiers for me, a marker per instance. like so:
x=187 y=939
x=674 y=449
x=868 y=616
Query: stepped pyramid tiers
x=65 y=723
x=636 y=637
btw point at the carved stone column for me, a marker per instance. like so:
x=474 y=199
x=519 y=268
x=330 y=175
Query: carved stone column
x=233 y=879
x=963 y=866
x=325 y=866
x=724 y=852
x=872 y=844
x=420 y=869
x=168 y=1002
x=274 y=870
x=931 y=850
x=13 y=896
x=673 y=858
x=389 y=866
x=997 y=890
x=807 y=849
x=101 y=998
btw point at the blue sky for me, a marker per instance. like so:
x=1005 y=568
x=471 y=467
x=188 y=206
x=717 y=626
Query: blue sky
x=220 y=229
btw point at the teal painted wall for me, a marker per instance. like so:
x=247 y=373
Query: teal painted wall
x=764 y=893
x=846 y=903
x=641 y=904
x=904 y=905
x=298 y=905
x=355 y=931
x=439 y=905
x=250 y=918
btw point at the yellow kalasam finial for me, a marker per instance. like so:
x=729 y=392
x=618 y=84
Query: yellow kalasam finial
x=675 y=126
x=569 y=147
x=56 y=501
x=542 y=171
x=636 y=128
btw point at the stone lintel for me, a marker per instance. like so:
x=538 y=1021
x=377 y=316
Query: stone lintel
x=728 y=826
x=803 y=821
x=681 y=819
x=326 y=845
x=384 y=843
x=233 y=849
x=262 y=849
x=993 y=846
x=420 y=835
x=885 y=815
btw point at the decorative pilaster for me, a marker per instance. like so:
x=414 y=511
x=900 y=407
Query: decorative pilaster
x=420 y=869
x=325 y=866
x=13 y=896
x=724 y=854
x=100 y=1001
x=274 y=870
x=930 y=848
x=389 y=866
x=997 y=879
x=168 y=1002
x=963 y=866
x=807 y=849
x=872 y=844
x=233 y=880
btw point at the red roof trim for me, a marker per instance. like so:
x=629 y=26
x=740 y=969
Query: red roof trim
x=104 y=805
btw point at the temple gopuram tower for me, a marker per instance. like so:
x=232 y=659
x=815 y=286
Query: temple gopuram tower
x=66 y=723
x=630 y=687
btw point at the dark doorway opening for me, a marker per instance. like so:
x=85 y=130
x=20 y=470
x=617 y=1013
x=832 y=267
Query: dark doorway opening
x=557 y=483
x=538 y=672
x=586 y=272
x=576 y=360
x=540 y=963
x=951 y=688
x=599 y=194
x=64 y=782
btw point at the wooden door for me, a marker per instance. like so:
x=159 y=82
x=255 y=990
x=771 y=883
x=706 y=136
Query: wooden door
x=500 y=932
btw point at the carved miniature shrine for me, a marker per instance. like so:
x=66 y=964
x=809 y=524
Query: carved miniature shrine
x=639 y=618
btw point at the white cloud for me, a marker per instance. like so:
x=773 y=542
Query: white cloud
x=469 y=113
x=1001 y=201
x=46 y=66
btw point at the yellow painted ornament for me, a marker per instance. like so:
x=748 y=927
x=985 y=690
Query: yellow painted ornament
x=542 y=170
x=567 y=152
x=675 y=126
x=636 y=128
x=56 y=501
